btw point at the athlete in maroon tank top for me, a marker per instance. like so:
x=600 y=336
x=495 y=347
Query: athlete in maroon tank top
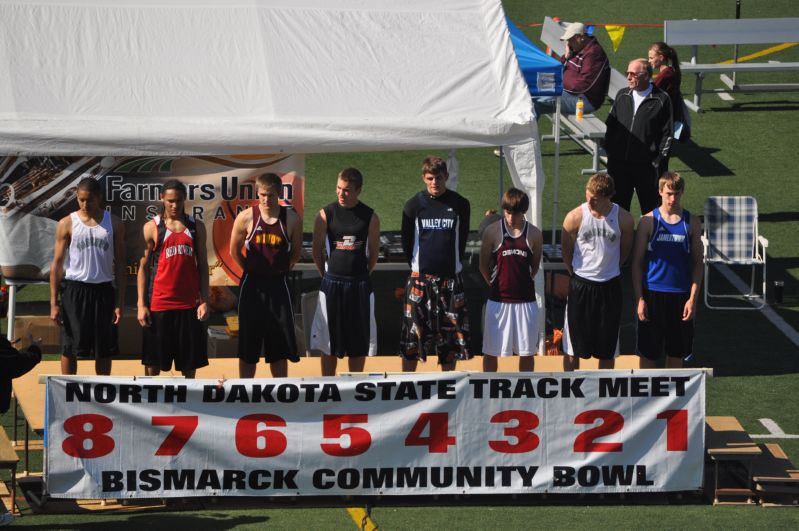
x=511 y=278
x=268 y=246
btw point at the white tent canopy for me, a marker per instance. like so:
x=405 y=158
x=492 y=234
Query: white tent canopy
x=198 y=77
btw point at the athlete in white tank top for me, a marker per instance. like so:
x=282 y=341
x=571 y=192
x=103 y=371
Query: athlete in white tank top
x=90 y=257
x=597 y=247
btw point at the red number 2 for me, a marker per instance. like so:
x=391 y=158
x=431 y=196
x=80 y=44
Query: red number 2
x=612 y=423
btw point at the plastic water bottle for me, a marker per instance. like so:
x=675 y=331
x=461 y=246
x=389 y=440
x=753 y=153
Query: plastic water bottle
x=579 y=109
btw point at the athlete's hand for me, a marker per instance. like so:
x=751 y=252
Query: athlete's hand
x=689 y=310
x=642 y=310
x=202 y=312
x=55 y=314
x=144 y=316
x=117 y=315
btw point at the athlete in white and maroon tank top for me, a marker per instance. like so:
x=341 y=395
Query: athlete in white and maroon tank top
x=511 y=277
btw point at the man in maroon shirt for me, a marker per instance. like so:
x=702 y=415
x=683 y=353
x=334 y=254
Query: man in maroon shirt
x=586 y=73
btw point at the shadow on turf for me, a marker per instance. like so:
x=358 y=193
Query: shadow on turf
x=700 y=159
x=757 y=106
x=778 y=217
x=153 y=521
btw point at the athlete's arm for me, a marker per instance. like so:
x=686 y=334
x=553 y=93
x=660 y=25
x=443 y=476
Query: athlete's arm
x=295 y=235
x=374 y=241
x=63 y=235
x=465 y=218
x=120 y=267
x=143 y=311
x=318 y=243
x=487 y=248
x=241 y=228
x=697 y=272
x=642 y=236
x=202 y=267
x=408 y=229
x=571 y=224
x=536 y=240
x=627 y=226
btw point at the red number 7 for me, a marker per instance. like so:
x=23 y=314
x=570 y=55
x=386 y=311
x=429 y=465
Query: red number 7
x=184 y=427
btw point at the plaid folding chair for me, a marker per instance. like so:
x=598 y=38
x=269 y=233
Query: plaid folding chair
x=730 y=238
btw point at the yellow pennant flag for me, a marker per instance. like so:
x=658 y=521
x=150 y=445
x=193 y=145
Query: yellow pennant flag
x=615 y=33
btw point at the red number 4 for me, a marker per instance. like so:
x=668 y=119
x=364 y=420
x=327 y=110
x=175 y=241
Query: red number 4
x=438 y=440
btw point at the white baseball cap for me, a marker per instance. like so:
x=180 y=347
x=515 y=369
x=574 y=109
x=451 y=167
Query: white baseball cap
x=575 y=28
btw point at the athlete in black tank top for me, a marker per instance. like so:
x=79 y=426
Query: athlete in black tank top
x=347 y=235
x=346 y=242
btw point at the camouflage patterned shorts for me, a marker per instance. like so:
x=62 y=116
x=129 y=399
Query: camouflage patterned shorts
x=435 y=321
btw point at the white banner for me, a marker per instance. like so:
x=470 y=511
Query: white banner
x=608 y=431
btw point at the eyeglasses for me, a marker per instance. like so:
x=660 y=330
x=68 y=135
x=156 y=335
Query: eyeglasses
x=634 y=74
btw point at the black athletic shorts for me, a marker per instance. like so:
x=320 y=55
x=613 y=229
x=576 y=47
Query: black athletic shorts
x=175 y=335
x=266 y=320
x=435 y=321
x=349 y=314
x=593 y=315
x=665 y=327
x=87 y=311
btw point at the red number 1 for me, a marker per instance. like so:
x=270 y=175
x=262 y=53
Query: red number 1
x=676 y=429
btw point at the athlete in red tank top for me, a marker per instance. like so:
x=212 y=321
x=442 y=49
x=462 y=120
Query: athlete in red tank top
x=175 y=243
x=175 y=284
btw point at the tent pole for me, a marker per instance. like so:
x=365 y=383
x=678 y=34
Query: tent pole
x=501 y=176
x=556 y=173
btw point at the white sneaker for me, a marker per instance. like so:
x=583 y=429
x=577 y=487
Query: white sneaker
x=6 y=519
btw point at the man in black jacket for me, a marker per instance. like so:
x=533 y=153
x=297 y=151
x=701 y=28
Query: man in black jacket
x=13 y=364
x=638 y=138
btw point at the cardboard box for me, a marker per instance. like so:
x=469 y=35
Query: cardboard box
x=130 y=334
x=220 y=344
x=42 y=328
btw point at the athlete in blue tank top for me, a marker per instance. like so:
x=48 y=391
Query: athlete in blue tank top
x=667 y=272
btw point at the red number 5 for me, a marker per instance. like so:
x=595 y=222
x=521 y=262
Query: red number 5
x=360 y=440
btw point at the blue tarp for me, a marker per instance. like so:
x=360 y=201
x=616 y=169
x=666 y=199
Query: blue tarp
x=544 y=74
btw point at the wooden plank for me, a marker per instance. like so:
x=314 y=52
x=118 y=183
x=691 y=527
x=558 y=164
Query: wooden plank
x=726 y=439
x=715 y=68
x=775 y=467
x=731 y=31
x=8 y=456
